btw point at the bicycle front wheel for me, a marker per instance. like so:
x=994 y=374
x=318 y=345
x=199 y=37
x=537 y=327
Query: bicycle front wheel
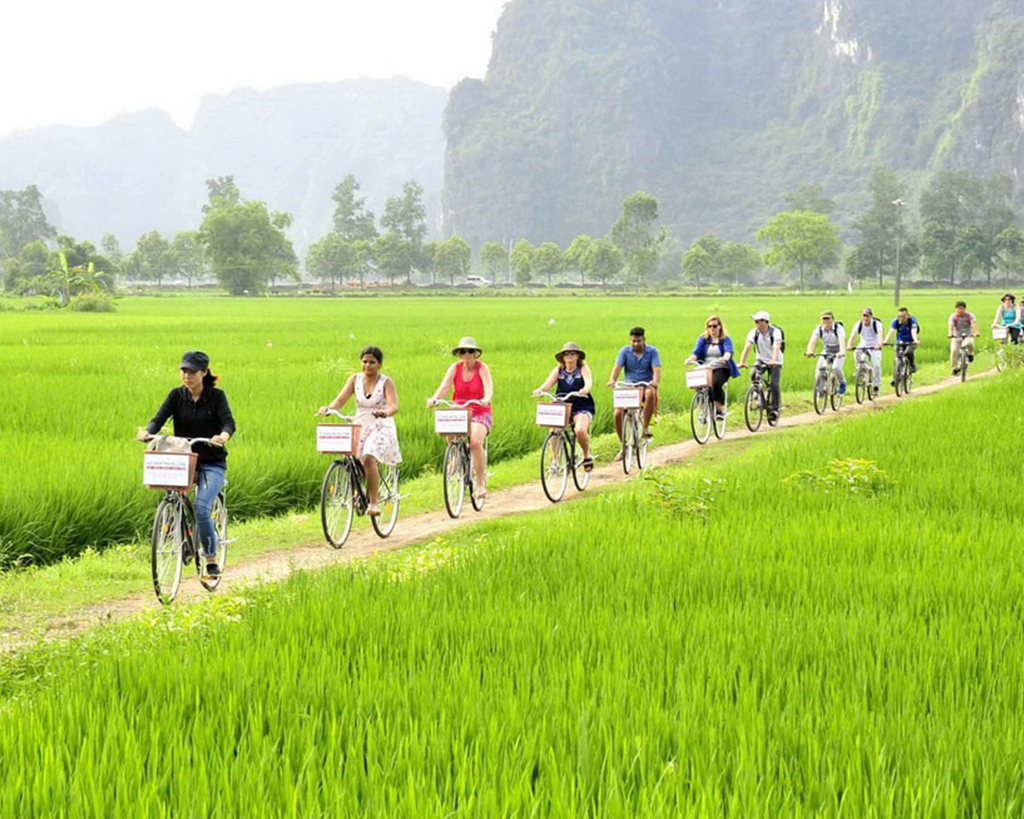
x=337 y=504
x=835 y=396
x=701 y=420
x=387 y=500
x=454 y=480
x=898 y=379
x=820 y=395
x=628 y=444
x=753 y=409
x=554 y=466
x=168 y=541
x=861 y=390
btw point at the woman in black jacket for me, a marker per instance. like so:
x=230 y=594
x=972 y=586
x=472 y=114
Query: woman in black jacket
x=200 y=410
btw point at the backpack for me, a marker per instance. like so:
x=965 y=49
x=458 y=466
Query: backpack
x=782 y=337
x=835 y=328
x=876 y=325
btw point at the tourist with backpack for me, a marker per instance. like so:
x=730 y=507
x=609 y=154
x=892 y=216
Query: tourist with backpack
x=832 y=335
x=770 y=343
x=869 y=329
x=906 y=328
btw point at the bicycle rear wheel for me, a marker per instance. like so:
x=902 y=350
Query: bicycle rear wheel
x=387 y=500
x=219 y=513
x=701 y=420
x=474 y=498
x=554 y=466
x=167 y=557
x=337 y=504
x=454 y=479
x=753 y=409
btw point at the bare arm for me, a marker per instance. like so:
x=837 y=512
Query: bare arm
x=745 y=353
x=485 y=376
x=391 y=396
x=548 y=383
x=446 y=386
x=776 y=349
x=342 y=397
x=616 y=370
x=813 y=343
x=998 y=320
x=588 y=380
x=657 y=377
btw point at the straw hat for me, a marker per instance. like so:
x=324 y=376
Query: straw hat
x=466 y=343
x=569 y=347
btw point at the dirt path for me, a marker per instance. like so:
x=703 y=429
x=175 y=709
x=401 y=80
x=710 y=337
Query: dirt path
x=363 y=543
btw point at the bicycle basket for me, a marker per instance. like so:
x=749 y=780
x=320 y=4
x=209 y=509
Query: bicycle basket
x=553 y=415
x=337 y=439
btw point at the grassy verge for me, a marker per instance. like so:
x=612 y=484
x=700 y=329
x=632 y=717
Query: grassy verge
x=772 y=634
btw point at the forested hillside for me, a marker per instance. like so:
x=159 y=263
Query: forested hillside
x=720 y=108
x=289 y=146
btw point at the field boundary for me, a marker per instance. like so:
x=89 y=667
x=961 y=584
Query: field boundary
x=274 y=566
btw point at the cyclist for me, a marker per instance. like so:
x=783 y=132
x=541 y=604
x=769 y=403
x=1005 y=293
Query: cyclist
x=833 y=341
x=200 y=410
x=469 y=379
x=962 y=325
x=641 y=362
x=870 y=331
x=1008 y=316
x=906 y=329
x=767 y=339
x=573 y=375
x=715 y=350
x=377 y=400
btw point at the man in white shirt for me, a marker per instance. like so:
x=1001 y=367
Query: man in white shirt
x=768 y=341
x=832 y=335
x=870 y=331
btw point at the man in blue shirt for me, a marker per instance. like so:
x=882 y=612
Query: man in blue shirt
x=906 y=330
x=642 y=363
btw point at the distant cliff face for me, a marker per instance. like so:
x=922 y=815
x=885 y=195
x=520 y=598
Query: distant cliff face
x=288 y=146
x=720 y=107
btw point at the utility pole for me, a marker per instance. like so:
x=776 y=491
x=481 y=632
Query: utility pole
x=898 y=203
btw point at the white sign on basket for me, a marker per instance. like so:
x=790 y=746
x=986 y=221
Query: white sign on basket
x=167 y=469
x=698 y=379
x=999 y=332
x=552 y=415
x=335 y=438
x=451 y=422
x=628 y=398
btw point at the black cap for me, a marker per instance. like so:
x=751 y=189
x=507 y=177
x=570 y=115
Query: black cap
x=194 y=360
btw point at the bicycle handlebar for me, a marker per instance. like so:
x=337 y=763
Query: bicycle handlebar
x=343 y=417
x=623 y=385
x=189 y=441
x=565 y=397
x=463 y=405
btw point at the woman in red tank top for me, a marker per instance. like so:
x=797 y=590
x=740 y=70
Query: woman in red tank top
x=469 y=379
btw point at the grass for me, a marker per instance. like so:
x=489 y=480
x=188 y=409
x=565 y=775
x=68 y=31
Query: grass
x=800 y=649
x=79 y=385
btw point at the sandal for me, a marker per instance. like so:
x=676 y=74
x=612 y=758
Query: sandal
x=588 y=464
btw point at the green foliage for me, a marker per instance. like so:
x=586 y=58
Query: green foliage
x=352 y=221
x=335 y=259
x=684 y=500
x=576 y=256
x=603 y=260
x=800 y=240
x=547 y=261
x=810 y=198
x=22 y=220
x=153 y=260
x=452 y=259
x=494 y=258
x=406 y=216
x=522 y=260
x=857 y=476
x=188 y=256
x=92 y=303
x=880 y=227
x=393 y=255
x=635 y=235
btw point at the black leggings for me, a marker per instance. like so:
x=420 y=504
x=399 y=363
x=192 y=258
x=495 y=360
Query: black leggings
x=1014 y=334
x=719 y=377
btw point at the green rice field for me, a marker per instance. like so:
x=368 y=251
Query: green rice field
x=826 y=622
x=78 y=385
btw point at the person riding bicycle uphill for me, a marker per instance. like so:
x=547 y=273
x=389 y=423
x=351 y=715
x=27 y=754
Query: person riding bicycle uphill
x=963 y=329
x=641 y=362
x=200 y=410
x=1008 y=317
x=869 y=329
x=832 y=335
x=573 y=375
x=906 y=329
x=469 y=379
x=715 y=351
x=767 y=340
x=377 y=402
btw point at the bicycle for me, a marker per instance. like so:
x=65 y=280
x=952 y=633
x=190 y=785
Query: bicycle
x=1005 y=355
x=457 y=468
x=343 y=493
x=864 y=377
x=629 y=396
x=173 y=539
x=903 y=373
x=965 y=358
x=704 y=418
x=755 y=404
x=559 y=456
x=826 y=384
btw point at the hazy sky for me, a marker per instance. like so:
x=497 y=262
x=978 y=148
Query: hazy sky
x=81 y=63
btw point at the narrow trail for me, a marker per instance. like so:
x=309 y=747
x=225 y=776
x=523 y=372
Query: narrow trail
x=363 y=543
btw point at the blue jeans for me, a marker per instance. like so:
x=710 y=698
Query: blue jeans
x=209 y=482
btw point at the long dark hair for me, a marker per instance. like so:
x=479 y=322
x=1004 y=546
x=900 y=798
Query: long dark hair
x=210 y=380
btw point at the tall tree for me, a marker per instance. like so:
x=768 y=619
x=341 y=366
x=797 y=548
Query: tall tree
x=738 y=262
x=800 y=241
x=879 y=228
x=604 y=260
x=111 y=249
x=996 y=219
x=698 y=265
x=494 y=257
x=522 y=260
x=352 y=221
x=245 y=242
x=337 y=260
x=949 y=209
x=153 y=258
x=22 y=220
x=636 y=236
x=188 y=255
x=547 y=261
x=810 y=198
x=394 y=255
x=575 y=256
x=406 y=215
x=453 y=258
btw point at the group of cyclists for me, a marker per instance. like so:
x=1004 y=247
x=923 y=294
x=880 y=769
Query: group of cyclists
x=200 y=410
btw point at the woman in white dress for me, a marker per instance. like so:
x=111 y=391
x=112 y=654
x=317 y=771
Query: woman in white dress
x=377 y=401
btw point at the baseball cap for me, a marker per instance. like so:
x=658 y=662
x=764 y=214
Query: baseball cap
x=761 y=315
x=194 y=360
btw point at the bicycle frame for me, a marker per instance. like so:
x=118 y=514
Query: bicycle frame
x=633 y=427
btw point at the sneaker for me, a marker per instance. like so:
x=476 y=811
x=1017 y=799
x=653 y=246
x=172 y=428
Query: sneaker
x=842 y=388
x=956 y=371
x=588 y=464
x=212 y=570
x=913 y=368
x=373 y=510
x=892 y=383
x=719 y=416
x=648 y=434
x=970 y=359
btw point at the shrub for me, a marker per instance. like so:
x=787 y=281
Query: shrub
x=92 y=303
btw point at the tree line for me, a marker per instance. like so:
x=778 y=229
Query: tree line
x=959 y=228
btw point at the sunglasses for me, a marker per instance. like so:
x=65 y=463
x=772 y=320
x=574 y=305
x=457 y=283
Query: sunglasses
x=713 y=326
x=465 y=352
